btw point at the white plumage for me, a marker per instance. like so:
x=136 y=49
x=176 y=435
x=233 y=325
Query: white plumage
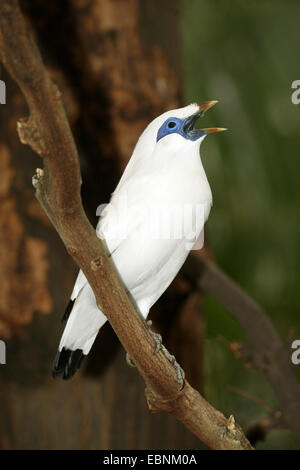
x=164 y=174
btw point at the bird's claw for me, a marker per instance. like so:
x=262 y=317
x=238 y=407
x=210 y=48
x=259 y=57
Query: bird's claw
x=180 y=374
x=160 y=347
x=156 y=336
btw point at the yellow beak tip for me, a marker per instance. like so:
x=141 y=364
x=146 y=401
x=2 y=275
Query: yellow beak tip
x=211 y=130
x=207 y=105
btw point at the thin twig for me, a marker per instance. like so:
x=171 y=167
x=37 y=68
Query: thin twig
x=250 y=397
x=272 y=422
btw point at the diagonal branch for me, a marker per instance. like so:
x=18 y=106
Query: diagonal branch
x=58 y=190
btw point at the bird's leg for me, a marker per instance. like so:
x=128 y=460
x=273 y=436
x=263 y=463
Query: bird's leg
x=157 y=339
x=156 y=336
x=160 y=347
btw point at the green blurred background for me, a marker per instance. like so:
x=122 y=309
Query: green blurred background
x=245 y=54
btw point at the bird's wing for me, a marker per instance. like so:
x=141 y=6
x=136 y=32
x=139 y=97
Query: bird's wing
x=79 y=284
x=126 y=212
x=138 y=259
x=137 y=254
x=84 y=322
x=110 y=226
x=143 y=256
x=200 y=241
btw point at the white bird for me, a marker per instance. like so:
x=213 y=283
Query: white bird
x=163 y=186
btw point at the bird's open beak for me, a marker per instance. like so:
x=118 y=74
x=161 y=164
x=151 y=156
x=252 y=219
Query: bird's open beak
x=206 y=105
x=211 y=130
x=203 y=107
x=190 y=122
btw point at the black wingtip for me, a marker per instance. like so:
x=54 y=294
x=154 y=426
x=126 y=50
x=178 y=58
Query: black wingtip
x=66 y=363
x=68 y=310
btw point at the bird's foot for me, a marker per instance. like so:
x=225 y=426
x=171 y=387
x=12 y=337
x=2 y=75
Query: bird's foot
x=160 y=347
x=156 y=336
x=157 y=339
x=158 y=344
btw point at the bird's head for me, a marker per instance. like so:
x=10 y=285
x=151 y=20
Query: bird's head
x=176 y=129
x=181 y=125
x=172 y=133
x=181 y=122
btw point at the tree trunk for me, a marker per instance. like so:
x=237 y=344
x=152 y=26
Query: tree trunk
x=117 y=64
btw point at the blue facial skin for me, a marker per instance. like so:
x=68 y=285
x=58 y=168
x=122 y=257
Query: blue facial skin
x=183 y=127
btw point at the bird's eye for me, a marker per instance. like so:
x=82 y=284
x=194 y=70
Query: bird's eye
x=171 y=125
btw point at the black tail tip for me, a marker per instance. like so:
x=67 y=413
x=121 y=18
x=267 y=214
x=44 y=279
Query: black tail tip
x=66 y=363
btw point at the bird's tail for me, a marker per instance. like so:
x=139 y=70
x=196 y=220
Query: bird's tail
x=66 y=363
x=84 y=322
